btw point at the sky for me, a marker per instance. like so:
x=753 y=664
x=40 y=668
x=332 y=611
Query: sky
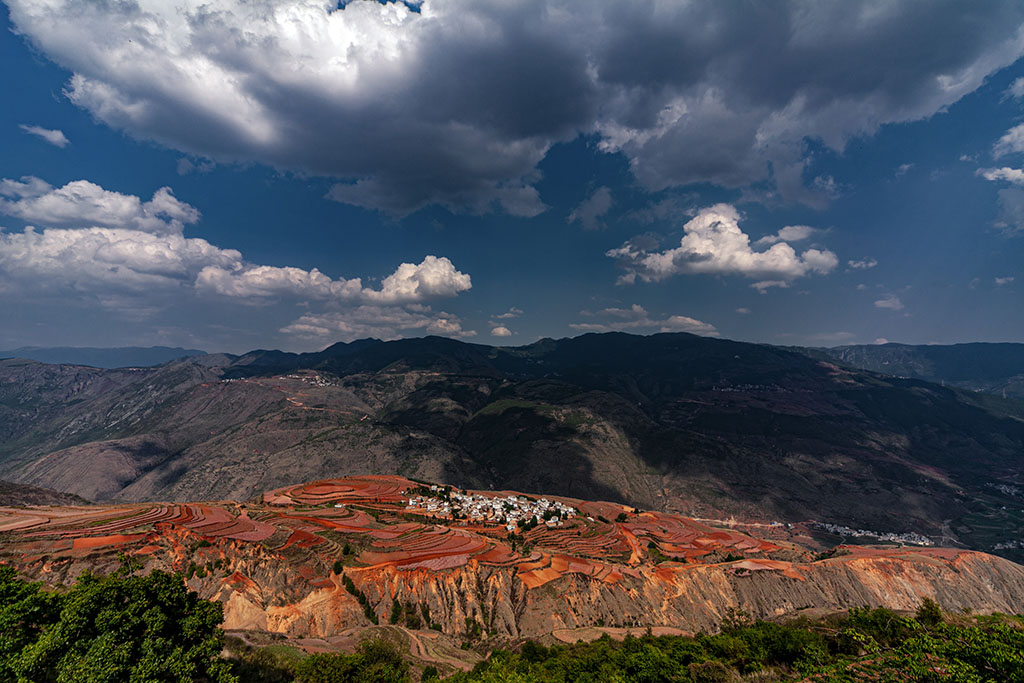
x=268 y=174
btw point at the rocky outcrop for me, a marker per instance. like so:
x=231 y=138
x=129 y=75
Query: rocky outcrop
x=693 y=598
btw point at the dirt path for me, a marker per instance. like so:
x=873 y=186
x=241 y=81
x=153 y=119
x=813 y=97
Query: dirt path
x=420 y=648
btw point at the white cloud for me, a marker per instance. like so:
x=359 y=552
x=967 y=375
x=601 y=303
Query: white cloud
x=881 y=340
x=1000 y=281
x=713 y=243
x=1011 y=211
x=903 y=169
x=53 y=136
x=890 y=302
x=104 y=260
x=186 y=166
x=636 y=317
x=432 y=278
x=743 y=310
x=1016 y=89
x=133 y=247
x=1010 y=175
x=376 y=321
x=82 y=203
x=271 y=281
x=457 y=102
x=28 y=186
x=790 y=233
x=510 y=313
x=501 y=331
x=862 y=264
x=590 y=211
x=1011 y=142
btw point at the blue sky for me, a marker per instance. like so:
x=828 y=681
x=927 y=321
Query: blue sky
x=228 y=176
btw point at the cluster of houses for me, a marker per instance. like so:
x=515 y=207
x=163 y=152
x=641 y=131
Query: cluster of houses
x=511 y=511
x=1007 y=489
x=315 y=380
x=909 y=538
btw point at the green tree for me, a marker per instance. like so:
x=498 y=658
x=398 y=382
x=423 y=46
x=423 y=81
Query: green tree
x=375 y=661
x=25 y=611
x=929 y=613
x=396 y=612
x=129 y=628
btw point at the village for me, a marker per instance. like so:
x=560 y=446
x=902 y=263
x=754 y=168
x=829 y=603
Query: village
x=511 y=511
x=909 y=538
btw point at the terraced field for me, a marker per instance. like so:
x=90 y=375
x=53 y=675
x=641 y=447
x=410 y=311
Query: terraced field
x=315 y=559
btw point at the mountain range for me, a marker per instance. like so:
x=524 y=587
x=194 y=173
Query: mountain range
x=120 y=357
x=992 y=368
x=671 y=422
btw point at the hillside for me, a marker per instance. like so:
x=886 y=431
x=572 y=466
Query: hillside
x=322 y=559
x=121 y=357
x=992 y=368
x=670 y=422
x=12 y=495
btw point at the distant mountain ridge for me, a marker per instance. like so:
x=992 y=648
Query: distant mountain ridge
x=23 y=494
x=98 y=357
x=995 y=368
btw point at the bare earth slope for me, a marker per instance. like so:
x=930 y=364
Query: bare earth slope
x=273 y=563
x=12 y=495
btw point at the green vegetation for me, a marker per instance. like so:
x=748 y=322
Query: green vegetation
x=271 y=664
x=655 y=552
x=500 y=406
x=376 y=661
x=396 y=612
x=527 y=524
x=864 y=645
x=361 y=597
x=114 y=628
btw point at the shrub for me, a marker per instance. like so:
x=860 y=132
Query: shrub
x=375 y=661
x=929 y=613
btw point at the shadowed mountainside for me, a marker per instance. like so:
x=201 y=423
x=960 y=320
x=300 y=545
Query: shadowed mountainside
x=669 y=422
x=992 y=368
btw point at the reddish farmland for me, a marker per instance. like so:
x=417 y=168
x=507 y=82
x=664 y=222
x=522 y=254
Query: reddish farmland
x=277 y=564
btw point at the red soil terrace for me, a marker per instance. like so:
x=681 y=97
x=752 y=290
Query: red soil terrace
x=368 y=514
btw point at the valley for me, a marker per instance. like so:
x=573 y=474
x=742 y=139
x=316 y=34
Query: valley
x=672 y=423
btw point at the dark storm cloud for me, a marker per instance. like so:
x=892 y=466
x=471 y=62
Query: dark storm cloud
x=458 y=102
